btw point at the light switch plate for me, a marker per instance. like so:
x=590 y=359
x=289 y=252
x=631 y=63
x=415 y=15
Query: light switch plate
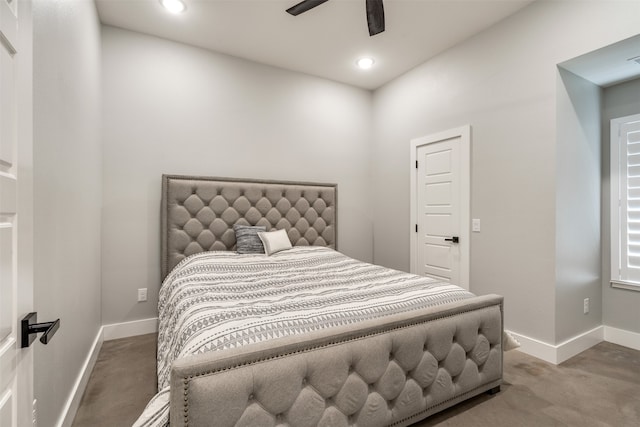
x=475 y=225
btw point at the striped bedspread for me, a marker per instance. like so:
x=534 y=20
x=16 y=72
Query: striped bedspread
x=217 y=300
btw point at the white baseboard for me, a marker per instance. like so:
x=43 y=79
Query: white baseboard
x=73 y=402
x=130 y=329
x=622 y=337
x=558 y=353
x=535 y=348
x=576 y=345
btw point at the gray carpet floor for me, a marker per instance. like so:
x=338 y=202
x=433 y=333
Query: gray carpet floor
x=599 y=387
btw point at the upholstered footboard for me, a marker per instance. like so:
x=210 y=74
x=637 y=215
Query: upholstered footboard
x=387 y=372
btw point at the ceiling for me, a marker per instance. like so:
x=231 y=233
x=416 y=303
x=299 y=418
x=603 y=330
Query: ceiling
x=325 y=41
x=610 y=65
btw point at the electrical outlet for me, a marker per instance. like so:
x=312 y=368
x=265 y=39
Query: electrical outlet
x=586 y=305
x=475 y=225
x=142 y=294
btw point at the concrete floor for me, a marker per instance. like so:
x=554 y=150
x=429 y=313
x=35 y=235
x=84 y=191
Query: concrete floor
x=121 y=384
x=599 y=387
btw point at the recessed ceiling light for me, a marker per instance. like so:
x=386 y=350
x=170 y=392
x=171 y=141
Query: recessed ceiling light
x=174 y=6
x=365 y=63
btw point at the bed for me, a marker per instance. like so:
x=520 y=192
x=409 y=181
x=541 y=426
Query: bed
x=305 y=336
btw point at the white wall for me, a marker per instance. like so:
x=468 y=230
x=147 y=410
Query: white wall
x=171 y=108
x=502 y=82
x=578 y=159
x=621 y=307
x=67 y=192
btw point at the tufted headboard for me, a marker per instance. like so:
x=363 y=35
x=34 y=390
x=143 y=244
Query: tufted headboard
x=198 y=213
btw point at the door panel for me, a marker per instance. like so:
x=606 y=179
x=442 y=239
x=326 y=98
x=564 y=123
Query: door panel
x=16 y=364
x=438 y=258
x=7 y=103
x=437 y=162
x=440 y=205
x=6 y=280
x=436 y=227
x=6 y=409
x=438 y=194
x=438 y=218
x=437 y=169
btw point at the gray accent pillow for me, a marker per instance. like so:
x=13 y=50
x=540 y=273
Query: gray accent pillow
x=247 y=240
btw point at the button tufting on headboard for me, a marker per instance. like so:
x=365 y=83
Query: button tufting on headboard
x=198 y=213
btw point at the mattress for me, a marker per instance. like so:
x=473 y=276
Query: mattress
x=219 y=300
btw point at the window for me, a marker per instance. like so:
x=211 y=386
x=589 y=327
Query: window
x=625 y=202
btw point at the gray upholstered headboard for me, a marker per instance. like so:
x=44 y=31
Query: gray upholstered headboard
x=198 y=213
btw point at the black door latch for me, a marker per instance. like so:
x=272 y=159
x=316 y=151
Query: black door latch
x=30 y=328
x=454 y=239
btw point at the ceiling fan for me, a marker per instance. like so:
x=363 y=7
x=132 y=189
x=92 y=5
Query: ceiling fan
x=375 y=13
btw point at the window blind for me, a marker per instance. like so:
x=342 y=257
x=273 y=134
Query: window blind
x=629 y=203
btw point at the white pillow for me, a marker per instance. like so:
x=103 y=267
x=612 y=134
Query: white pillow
x=274 y=241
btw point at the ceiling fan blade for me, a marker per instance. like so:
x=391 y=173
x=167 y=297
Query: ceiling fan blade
x=375 y=16
x=303 y=6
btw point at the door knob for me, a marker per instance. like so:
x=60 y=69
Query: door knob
x=30 y=328
x=453 y=239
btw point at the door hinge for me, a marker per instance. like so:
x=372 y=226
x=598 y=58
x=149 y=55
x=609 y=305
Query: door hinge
x=416 y=228
x=416 y=164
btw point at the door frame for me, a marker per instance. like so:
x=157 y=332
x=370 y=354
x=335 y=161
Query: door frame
x=464 y=133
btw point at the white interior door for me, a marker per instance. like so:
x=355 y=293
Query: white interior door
x=438 y=214
x=440 y=206
x=16 y=286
